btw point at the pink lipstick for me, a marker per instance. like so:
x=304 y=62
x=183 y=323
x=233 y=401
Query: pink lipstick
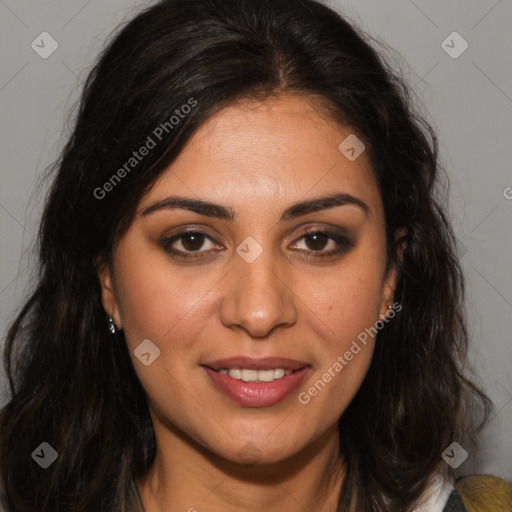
x=256 y=382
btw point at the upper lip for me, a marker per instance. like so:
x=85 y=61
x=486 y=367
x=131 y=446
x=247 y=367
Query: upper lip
x=255 y=364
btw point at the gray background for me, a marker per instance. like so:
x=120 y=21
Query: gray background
x=468 y=99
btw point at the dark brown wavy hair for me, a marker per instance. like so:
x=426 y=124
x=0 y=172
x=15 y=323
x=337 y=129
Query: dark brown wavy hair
x=74 y=387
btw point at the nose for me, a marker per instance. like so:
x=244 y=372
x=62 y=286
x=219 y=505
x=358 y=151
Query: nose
x=259 y=297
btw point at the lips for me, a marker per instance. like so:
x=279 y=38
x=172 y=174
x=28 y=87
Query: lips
x=256 y=393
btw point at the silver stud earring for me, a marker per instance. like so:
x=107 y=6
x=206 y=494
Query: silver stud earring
x=385 y=315
x=111 y=325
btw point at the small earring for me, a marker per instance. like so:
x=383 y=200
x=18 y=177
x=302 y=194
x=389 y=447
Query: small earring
x=111 y=325
x=385 y=314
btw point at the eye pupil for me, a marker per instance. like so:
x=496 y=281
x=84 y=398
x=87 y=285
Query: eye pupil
x=196 y=240
x=319 y=241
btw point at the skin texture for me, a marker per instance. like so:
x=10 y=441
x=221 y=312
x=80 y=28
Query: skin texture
x=256 y=158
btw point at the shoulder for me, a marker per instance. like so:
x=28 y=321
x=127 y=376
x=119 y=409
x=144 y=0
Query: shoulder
x=482 y=493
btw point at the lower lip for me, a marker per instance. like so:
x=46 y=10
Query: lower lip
x=257 y=394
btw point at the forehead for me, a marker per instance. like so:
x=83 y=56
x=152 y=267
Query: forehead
x=282 y=147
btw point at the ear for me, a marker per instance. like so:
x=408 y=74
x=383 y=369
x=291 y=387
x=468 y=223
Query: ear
x=108 y=292
x=390 y=280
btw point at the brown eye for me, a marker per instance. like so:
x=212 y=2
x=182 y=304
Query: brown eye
x=186 y=243
x=317 y=241
x=192 y=241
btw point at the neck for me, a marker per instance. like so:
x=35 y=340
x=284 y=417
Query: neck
x=187 y=477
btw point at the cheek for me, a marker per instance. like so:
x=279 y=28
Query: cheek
x=344 y=309
x=349 y=301
x=169 y=309
x=161 y=304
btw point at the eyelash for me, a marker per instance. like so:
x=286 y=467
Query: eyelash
x=344 y=244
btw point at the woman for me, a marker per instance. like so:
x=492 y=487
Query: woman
x=248 y=296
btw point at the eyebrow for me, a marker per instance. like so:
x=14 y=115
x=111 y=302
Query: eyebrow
x=226 y=213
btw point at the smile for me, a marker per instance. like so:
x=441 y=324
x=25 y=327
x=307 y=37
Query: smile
x=256 y=382
x=255 y=375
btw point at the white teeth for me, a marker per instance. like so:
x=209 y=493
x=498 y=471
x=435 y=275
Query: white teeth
x=255 y=375
x=235 y=374
x=266 y=375
x=249 y=375
x=278 y=373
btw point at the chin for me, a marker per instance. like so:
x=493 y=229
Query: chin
x=260 y=451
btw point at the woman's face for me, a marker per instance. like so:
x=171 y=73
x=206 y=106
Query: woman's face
x=251 y=285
